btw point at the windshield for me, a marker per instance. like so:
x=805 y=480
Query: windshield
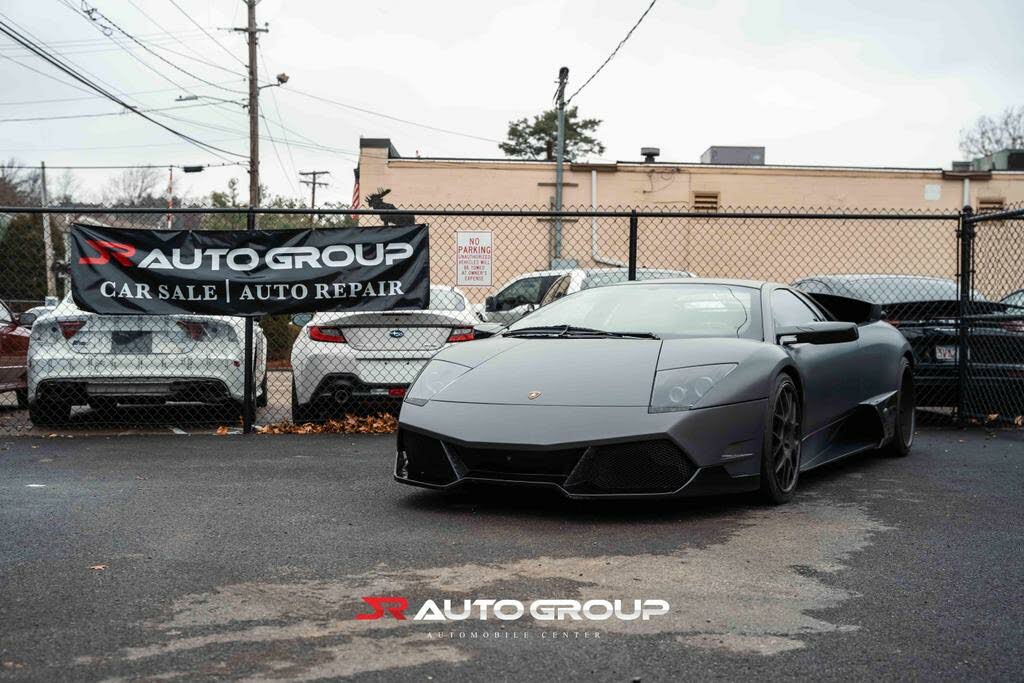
x=666 y=310
x=446 y=300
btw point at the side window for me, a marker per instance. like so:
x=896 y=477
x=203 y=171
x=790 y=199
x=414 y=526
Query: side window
x=520 y=292
x=788 y=309
x=557 y=290
x=5 y=314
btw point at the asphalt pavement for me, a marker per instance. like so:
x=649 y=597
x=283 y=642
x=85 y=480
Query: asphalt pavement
x=205 y=558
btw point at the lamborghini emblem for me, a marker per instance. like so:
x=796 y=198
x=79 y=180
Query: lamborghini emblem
x=532 y=395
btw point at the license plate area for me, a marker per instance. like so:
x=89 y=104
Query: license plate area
x=947 y=354
x=131 y=342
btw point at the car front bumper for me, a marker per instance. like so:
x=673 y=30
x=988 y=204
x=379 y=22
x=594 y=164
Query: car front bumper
x=583 y=452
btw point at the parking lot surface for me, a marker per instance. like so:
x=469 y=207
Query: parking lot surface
x=204 y=557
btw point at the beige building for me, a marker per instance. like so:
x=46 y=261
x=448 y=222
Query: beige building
x=763 y=248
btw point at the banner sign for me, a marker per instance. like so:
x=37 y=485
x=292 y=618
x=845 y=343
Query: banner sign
x=119 y=271
x=473 y=259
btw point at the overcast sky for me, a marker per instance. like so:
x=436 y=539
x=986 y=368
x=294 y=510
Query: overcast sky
x=868 y=82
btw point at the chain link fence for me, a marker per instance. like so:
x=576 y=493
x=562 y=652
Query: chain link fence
x=64 y=367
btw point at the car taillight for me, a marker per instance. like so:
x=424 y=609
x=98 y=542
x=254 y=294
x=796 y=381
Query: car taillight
x=326 y=334
x=461 y=334
x=69 y=328
x=195 y=331
x=396 y=392
x=894 y=323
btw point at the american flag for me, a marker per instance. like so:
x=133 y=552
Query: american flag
x=355 y=191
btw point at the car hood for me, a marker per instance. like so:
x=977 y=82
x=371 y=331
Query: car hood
x=565 y=372
x=587 y=372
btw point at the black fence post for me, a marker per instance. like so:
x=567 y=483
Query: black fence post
x=248 y=407
x=966 y=239
x=633 y=229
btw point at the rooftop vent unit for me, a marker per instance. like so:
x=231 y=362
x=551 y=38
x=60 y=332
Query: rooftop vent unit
x=1005 y=160
x=650 y=154
x=961 y=166
x=733 y=156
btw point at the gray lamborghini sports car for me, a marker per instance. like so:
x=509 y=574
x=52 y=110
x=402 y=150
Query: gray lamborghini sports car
x=662 y=389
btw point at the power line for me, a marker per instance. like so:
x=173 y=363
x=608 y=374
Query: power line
x=92 y=13
x=266 y=125
x=91 y=96
x=118 y=167
x=96 y=115
x=46 y=75
x=614 y=52
x=180 y=42
x=45 y=56
x=388 y=116
x=194 y=22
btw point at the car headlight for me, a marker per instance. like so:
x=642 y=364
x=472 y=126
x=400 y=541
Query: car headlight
x=683 y=388
x=435 y=376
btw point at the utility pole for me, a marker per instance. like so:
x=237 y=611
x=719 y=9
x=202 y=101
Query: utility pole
x=252 y=33
x=563 y=79
x=312 y=186
x=170 y=196
x=51 y=277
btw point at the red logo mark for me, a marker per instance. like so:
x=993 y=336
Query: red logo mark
x=121 y=253
x=397 y=609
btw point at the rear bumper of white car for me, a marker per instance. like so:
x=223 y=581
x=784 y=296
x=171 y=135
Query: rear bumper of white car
x=322 y=371
x=80 y=377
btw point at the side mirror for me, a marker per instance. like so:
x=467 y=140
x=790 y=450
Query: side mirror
x=485 y=330
x=300 y=319
x=826 y=332
x=26 y=320
x=490 y=304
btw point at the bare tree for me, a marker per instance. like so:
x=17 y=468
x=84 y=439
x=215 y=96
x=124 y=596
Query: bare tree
x=18 y=186
x=133 y=187
x=65 y=189
x=989 y=135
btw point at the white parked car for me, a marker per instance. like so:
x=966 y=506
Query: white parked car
x=530 y=291
x=81 y=358
x=340 y=358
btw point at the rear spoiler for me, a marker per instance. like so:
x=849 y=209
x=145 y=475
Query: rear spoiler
x=848 y=310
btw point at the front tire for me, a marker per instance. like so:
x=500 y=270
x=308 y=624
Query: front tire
x=780 y=456
x=903 y=435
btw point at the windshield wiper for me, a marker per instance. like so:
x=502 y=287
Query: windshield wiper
x=573 y=331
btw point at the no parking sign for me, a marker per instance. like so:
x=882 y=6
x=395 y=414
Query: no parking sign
x=473 y=259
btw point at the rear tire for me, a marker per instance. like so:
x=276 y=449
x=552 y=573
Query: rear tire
x=45 y=413
x=261 y=398
x=302 y=412
x=903 y=435
x=780 y=454
x=21 y=395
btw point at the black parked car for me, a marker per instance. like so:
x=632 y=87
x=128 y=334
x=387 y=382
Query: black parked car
x=925 y=309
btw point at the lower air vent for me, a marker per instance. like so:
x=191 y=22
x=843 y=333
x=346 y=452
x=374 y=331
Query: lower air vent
x=422 y=458
x=637 y=467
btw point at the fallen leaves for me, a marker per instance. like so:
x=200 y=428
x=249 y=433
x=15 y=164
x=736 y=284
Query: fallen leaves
x=382 y=423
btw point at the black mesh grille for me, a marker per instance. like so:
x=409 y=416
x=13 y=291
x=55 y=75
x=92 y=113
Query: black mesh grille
x=499 y=463
x=636 y=467
x=422 y=458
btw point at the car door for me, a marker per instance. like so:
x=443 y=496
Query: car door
x=519 y=298
x=830 y=389
x=13 y=350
